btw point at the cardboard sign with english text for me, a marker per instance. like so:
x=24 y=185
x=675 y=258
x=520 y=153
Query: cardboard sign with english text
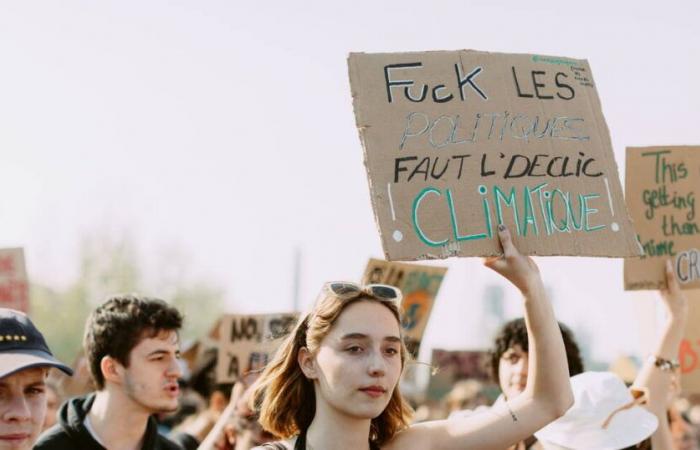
x=660 y=188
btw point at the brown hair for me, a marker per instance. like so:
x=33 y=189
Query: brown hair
x=286 y=398
x=118 y=325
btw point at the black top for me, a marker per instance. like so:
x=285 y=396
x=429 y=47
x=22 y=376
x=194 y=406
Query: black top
x=70 y=432
x=301 y=443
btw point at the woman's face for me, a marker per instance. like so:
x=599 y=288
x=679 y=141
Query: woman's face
x=358 y=363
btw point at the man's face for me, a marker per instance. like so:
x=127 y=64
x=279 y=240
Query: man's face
x=512 y=371
x=22 y=408
x=150 y=381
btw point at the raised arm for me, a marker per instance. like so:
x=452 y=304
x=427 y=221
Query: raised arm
x=217 y=433
x=655 y=378
x=547 y=394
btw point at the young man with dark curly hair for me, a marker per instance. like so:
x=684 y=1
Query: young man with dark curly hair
x=509 y=356
x=509 y=365
x=132 y=346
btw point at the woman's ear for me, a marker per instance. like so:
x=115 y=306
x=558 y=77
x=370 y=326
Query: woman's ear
x=307 y=363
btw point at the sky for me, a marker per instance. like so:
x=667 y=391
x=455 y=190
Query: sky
x=226 y=129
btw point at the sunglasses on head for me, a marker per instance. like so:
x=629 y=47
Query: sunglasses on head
x=346 y=290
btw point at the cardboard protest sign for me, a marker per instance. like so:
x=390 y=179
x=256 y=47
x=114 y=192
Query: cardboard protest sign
x=199 y=354
x=247 y=343
x=457 y=142
x=14 y=286
x=455 y=365
x=689 y=354
x=419 y=285
x=660 y=188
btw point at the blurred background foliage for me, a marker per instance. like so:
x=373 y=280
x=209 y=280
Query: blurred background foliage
x=110 y=265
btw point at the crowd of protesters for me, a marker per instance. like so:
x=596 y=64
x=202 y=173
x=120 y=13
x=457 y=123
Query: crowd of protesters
x=334 y=383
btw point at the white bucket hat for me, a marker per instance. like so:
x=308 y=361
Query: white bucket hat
x=605 y=416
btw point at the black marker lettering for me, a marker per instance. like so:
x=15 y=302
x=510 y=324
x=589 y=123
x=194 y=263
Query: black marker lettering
x=461 y=81
x=517 y=85
x=390 y=83
x=539 y=85
x=444 y=99
x=398 y=168
x=561 y=84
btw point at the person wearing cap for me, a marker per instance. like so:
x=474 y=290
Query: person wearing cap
x=25 y=360
x=132 y=346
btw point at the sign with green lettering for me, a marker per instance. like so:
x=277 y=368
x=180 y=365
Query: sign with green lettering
x=457 y=142
x=660 y=188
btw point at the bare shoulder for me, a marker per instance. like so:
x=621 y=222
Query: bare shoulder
x=414 y=437
x=459 y=432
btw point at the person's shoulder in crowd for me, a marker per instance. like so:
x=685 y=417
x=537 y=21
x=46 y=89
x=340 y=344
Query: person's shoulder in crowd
x=58 y=438
x=55 y=438
x=71 y=433
x=184 y=441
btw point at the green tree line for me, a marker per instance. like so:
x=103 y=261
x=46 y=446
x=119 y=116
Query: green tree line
x=108 y=266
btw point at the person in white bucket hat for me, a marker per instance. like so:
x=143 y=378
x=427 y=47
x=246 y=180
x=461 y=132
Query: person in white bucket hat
x=605 y=416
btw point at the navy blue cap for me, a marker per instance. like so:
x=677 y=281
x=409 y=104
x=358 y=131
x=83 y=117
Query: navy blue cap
x=22 y=346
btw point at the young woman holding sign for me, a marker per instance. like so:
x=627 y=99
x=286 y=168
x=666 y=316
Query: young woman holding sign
x=333 y=384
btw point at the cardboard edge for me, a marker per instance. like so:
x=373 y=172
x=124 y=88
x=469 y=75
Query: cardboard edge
x=603 y=130
x=355 y=81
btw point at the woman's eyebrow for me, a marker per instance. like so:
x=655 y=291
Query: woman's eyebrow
x=362 y=336
x=354 y=336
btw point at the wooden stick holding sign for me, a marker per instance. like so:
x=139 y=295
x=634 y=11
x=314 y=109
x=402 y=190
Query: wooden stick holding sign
x=660 y=186
x=458 y=142
x=247 y=343
x=14 y=286
x=419 y=285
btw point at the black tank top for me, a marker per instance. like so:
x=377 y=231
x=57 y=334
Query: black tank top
x=301 y=443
